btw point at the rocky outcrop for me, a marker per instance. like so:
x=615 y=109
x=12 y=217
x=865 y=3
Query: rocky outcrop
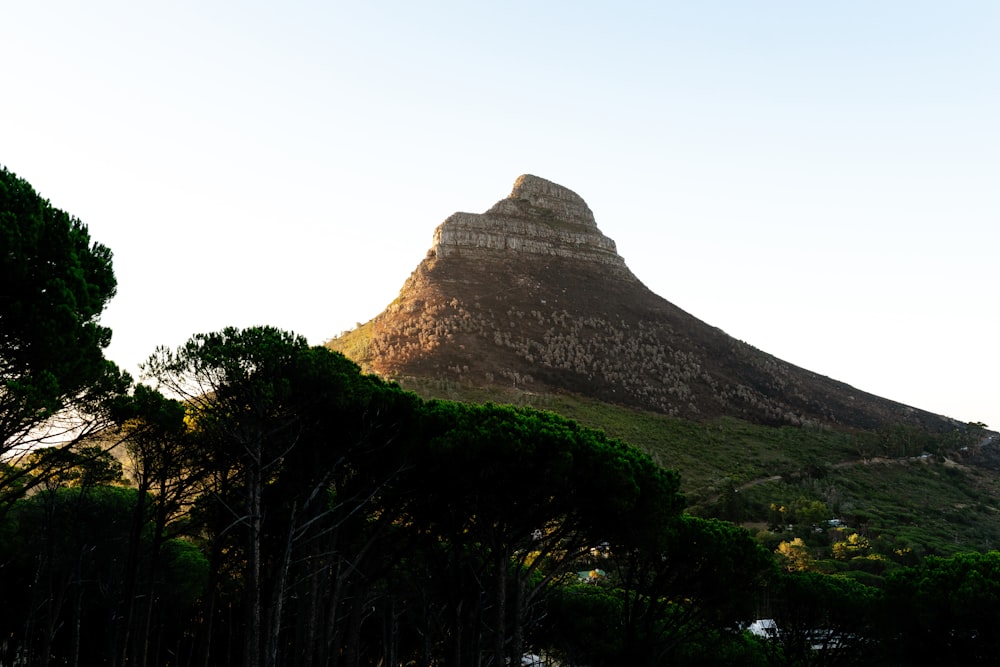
x=538 y=218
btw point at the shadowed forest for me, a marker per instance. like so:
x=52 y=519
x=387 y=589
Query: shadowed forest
x=259 y=501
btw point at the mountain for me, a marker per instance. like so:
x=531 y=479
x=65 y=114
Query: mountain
x=532 y=295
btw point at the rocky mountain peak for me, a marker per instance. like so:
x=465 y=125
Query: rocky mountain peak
x=544 y=195
x=538 y=218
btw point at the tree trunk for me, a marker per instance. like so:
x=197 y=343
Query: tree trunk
x=277 y=606
x=392 y=638
x=500 y=627
x=333 y=628
x=352 y=651
x=131 y=583
x=456 y=640
x=77 y=622
x=520 y=618
x=254 y=491
x=154 y=559
x=208 y=607
x=311 y=649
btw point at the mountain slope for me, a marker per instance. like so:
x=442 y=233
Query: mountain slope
x=530 y=294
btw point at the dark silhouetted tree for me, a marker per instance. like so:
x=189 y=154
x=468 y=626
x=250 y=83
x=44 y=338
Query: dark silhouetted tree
x=54 y=285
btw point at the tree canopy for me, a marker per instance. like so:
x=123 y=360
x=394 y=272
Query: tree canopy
x=54 y=284
x=284 y=508
x=945 y=611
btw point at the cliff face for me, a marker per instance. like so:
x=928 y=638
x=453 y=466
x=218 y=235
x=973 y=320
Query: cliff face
x=538 y=218
x=531 y=294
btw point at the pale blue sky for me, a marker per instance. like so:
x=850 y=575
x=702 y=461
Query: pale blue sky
x=819 y=180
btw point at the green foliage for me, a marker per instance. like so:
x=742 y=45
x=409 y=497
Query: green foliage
x=735 y=470
x=945 y=611
x=297 y=449
x=66 y=553
x=691 y=575
x=824 y=619
x=708 y=454
x=55 y=284
x=810 y=512
x=185 y=574
x=723 y=646
x=518 y=487
x=583 y=625
x=85 y=466
x=589 y=624
x=526 y=457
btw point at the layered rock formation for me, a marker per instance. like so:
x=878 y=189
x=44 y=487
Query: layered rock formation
x=538 y=218
x=530 y=294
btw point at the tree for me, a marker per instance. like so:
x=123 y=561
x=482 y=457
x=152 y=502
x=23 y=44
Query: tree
x=296 y=446
x=794 y=556
x=945 y=611
x=165 y=468
x=85 y=466
x=516 y=498
x=236 y=383
x=583 y=625
x=823 y=619
x=54 y=285
x=64 y=553
x=681 y=578
x=855 y=546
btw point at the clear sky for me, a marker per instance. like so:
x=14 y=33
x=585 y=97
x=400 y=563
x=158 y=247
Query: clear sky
x=818 y=179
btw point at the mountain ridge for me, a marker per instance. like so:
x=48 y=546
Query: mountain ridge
x=531 y=294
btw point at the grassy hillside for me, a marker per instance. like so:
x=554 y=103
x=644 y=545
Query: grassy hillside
x=907 y=492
